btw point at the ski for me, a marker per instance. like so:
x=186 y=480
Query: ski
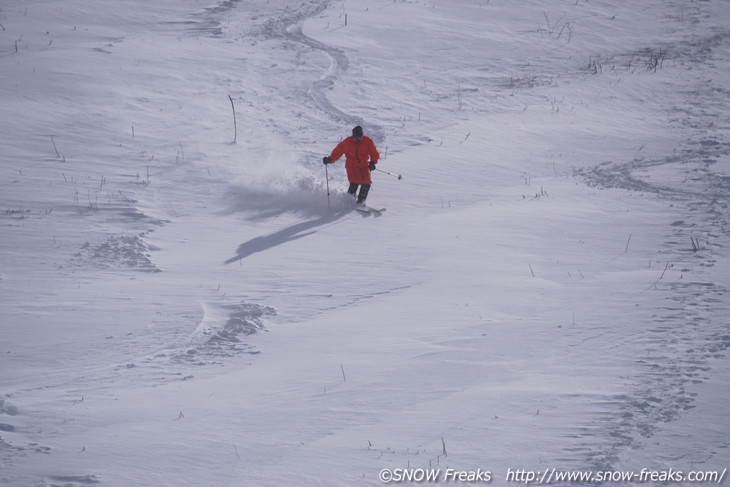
x=368 y=210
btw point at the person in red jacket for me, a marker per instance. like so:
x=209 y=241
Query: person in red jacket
x=361 y=156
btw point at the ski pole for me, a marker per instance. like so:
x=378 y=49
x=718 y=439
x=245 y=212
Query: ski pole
x=390 y=174
x=327 y=180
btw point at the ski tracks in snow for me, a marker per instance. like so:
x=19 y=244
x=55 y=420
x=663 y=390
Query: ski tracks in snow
x=673 y=359
x=690 y=331
x=223 y=327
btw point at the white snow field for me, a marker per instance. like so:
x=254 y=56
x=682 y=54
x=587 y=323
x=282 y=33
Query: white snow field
x=546 y=295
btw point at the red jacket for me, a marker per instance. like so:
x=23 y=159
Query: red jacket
x=357 y=158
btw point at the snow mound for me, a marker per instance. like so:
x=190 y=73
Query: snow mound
x=71 y=480
x=7 y=408
x=117 y=252
x=247 y=319
x=218 y=336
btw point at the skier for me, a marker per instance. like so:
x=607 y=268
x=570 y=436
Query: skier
x=361 y=156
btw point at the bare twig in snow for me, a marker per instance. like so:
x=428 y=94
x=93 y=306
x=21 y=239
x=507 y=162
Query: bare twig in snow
x=235 y=125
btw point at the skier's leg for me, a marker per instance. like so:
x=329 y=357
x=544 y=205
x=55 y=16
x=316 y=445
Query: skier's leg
x=352 y=189
x=364 y=190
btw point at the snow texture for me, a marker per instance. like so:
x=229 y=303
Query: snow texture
x=186 y=302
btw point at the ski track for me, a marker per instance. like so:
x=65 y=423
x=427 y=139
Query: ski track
x=673 y=360
x=689 y=331
x=225 y=335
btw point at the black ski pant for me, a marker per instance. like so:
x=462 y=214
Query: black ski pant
x=364 y=190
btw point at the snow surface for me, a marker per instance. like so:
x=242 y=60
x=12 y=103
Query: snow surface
x=547 y=289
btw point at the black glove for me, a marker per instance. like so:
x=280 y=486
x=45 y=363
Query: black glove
x=327 y=160
x=372 y=165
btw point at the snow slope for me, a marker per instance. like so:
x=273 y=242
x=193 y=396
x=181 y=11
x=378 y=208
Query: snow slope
x=548 y=288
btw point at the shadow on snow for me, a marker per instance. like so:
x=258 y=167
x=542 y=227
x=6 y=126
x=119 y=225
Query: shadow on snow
x=288 y=234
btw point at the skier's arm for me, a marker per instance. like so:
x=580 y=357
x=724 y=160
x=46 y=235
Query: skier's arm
x=338 y=151
x=374 y=154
